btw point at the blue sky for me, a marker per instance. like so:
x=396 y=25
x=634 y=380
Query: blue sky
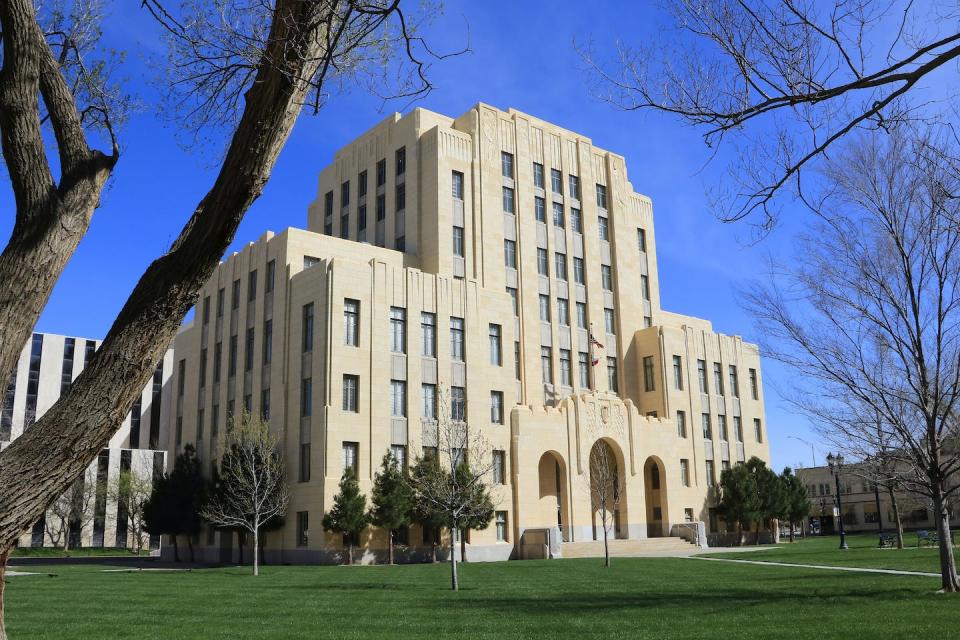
x=522 y=56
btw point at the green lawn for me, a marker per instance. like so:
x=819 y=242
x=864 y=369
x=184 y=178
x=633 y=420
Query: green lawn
x=863 y=552
x=50 y=552
x=635 y=598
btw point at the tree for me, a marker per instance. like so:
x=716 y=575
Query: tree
x=739 y=498
x=245 y=69
x=785 y=80
x=454 y=488
x=770 y=496
x=424 y=514
x=796 y=504
x=177 y=498
x=348 y=516
x=606 y=487
x=131 y=491
x=391 y=500
x=869 y=320
x=72 y=511
x=480 y=515
x=251 y=484
x=160 y=515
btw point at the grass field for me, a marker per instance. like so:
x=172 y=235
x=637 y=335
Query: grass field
x=635 y=598
x=82 y=552
x=863 y=552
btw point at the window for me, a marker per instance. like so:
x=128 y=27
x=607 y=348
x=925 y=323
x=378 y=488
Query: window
x=539 y=209
x=648 y=380
x=401 y=160
x=303 y=528
x=458 y=403
x=609 y=322
x=381 y=207
x=203 y=367
x=642 y=240
x=538 y=175
x=563 y=311
x=681 y=424
x=685 y=472
x=400 y=197
x=604 y=226
x=558 y=215
x=543 y=263
x=702 y=375
x=328 y=204
x=707 y=428
x=722 y=427
x=508 y=200
x=578 y=270
x=645 y=287
x=351 y=389
x=556 y=181
x=362 y=222
x=458 y=241
x=576 y=220
x=717 y=379
x=271 y=276
x=232 y=357
x=220 y=303
x=734 y=382
x=606 y=277
x=351 y=322
x=496 y=407
x=428 y=335
x=381 y=172
x=345 y=225
x=546 y=365
x=738 y=428
x=583 y=366
x=501 y=522
x=544 y=308
x=362 y=184
x=235 y=295
x=754 y=387
x=647 y=322
x=252 y=285
x=350 y=450
x=248 y=351
x=711 y=478
x=612 y=378
x=265 y=404
x=574 y=187
x=309 y=261
x=514 y=301
x=399 y=453
x=456 y=340
x=428 y=401
x=217 y=359
x=582 y=315
x=496 y=352
x=206 y=310
x=307 y=328
x=601 y=196
x=499 y=467
x=306 y=397
x=267 y=355
x=757 y=429
x=345 y=194
x=560 y=265
x=398 y=398
x=510 y=254
x=457 y=184
x=678 y=373
x=506 y=164
x=398 y=330
x=565 y=373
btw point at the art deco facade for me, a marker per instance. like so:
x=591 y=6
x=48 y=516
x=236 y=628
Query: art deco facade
x=469 y=258
x=47 y=367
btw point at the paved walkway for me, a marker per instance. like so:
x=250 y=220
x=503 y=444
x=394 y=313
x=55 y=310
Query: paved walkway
x=895 y=572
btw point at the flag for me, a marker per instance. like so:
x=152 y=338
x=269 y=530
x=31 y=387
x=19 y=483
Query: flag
x=594 y=360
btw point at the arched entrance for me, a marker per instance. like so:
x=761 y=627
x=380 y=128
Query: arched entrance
x=655 y=493
x=554 y=499
x=608 y=499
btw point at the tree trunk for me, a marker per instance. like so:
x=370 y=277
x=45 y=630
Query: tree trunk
x=240 y=542
x=606 y=544
x=66 y=540
x=756 y=531
x=176 y=551
x=896 y=515
x=390 y=550
x=740 y=539
x=463 y=545
x=190 y=546
x=791 y=532
x=256 y=556
x=775 y=530
x=949 y=580
x=433 y=551
x=454 y=580
x=350 y=551
x=3 y=583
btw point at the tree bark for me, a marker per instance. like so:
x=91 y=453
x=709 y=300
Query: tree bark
x=350 y=552
x=740 y=539
x=390 y=552
x=791 y=533
x=256 y=556
x=896 y=515
x=463 y=545
x=606 y=544
x=949 y=580
x=454 y=579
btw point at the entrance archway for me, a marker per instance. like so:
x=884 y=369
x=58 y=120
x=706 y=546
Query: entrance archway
x=608 y=491
x=554 y=499
x=655 y=494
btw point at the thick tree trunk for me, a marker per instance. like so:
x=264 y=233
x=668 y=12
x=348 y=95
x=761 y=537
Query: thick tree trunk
x=190 y=547
x=454 y=580
x=756 y=533
x=463 y=545
x=390 y=551
x=896 y=515
x=791 y=533
x=66 y=540
x=949 y=580
x=433 y=551
x=256 y=555
x=3 y=583
x=176 y=551
x=740 y=539
x=350 y=552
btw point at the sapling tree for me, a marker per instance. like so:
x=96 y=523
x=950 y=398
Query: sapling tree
x=391 y=501
x=348 y=516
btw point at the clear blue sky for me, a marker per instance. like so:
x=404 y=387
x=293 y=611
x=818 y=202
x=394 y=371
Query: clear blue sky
x=522 y=57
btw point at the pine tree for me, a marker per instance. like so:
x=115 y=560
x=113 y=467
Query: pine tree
x=349 y=513
x=391 y=499
x=770 y=495
x=739 y=500
x=424 y=513
x=796 y=504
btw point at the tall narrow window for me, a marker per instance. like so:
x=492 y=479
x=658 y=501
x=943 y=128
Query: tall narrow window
x=758 y=429
x=217 y=360
x=642 y=240
x=546 y=364
x=265 y=404
x=235 y=295
x=306 y=397
x=563 y=311
x=606 y=277
x=458 y=404
x=581 y=315
x=711 y=475
x=538 y=175
x=428 y=335
x=307 y=328
x=707 y=428
x=496 y=350
x=351 y=387
x=398 y=330
x=248 y=351
x=544 y=308
x=558 y=215
x=271 y=276
x=362 y=184
x=456 y=180
x=645 y=287
x=351 y=322
x=566 y=377
x=206 y=310
x=702 y=375
x=556 y=181
x=583 y=364
x=401 y=160
x=685 y=472
x=514 y=301
x=734 y=381
x=398 y=398
x=381 y=207
x=681 y=424
x=578 y=276
x=649 y=383
x=267 y=355
x=252 y=286
x=303 y=528
x=499 y=466
x=220 y=296
x=738 y=428
x=516 y=359
x=560 y=265
x=717 y=379
x=613 y=379
x=501 y=524
x=381 y=172
x=543 y=263
x=677 y=373
x=754 y=387
x=232 y=357
x=506 y=164
x=400 y=197
x=350 y=450
x=722 y=427
x=574 y=187
x=609 y=322
x=601 y=196
x=458 y=241
x=456 y=340
x=540 y=209
x=576 y=220
x=604 y=228
x=510 y=254
x=428 y=401
x=508 y=206
x=496 y=407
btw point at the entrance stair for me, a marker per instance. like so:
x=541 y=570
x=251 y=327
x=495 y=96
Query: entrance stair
x=629 y=548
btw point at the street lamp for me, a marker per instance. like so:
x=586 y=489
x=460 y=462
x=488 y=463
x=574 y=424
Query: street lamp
x=835 y=462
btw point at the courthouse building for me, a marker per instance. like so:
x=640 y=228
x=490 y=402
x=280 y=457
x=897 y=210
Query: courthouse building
x=469 y=258
x=47 y=367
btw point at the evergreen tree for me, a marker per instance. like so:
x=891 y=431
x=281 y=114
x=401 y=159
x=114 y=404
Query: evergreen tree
x=796 y=505
x=349 y=513
x=391 y=499
x=739 y=499
x=176 y=500
x=425 y=513
x=770 y=495
x=160 y=514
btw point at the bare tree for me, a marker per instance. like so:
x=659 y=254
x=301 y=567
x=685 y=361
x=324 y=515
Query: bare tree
x=131 y=491
x=785 y=80
x=455 y=488
x=72 y=511
x=606 y=488
x=869 y=315
x=251 y=485
x=292 y=49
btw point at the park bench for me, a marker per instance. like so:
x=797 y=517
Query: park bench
x=887 y=540
x=928 y=538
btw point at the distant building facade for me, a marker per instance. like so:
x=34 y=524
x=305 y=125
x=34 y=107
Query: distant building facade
x=45 y=370
x=473 y=257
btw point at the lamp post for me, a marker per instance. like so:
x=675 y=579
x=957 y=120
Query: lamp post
x=835 y=462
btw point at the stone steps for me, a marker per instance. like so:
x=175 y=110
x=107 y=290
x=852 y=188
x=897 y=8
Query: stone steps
x=625 y=548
